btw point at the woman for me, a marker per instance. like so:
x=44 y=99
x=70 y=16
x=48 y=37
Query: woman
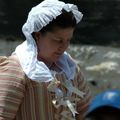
x=40 y=81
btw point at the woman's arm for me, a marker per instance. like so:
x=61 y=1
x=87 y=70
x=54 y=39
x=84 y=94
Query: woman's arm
x=83 y=103
x=12 y=88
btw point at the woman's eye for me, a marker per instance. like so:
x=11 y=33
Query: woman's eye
x=61 y=41
x=58 y=40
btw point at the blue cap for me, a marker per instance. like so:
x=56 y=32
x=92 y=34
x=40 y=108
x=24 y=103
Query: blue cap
x=110 y=98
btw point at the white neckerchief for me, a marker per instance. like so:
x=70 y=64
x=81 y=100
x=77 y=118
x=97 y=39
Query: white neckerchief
x=38 y=70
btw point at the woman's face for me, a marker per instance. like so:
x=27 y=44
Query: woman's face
x=53 y=44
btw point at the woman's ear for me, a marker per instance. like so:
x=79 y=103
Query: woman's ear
x=36 y=36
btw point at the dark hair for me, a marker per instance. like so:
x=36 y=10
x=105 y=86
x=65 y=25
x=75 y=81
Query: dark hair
x=64 y=20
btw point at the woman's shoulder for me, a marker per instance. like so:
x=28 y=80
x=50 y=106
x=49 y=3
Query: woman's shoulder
x=10 y=62
x=10 y=68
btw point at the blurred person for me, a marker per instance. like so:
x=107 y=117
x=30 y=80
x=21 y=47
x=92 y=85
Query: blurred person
x=40 y=80
x=105 y=106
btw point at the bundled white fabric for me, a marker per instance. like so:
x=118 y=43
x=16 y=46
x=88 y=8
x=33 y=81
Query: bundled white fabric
x=38 y=17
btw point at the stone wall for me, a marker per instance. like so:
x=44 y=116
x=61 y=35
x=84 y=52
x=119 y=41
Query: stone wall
x=101 y=22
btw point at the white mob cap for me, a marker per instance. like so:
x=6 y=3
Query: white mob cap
x=46 y=11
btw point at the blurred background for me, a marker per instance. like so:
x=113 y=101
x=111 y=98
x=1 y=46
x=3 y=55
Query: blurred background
x=100 y=24
x=95 y=45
